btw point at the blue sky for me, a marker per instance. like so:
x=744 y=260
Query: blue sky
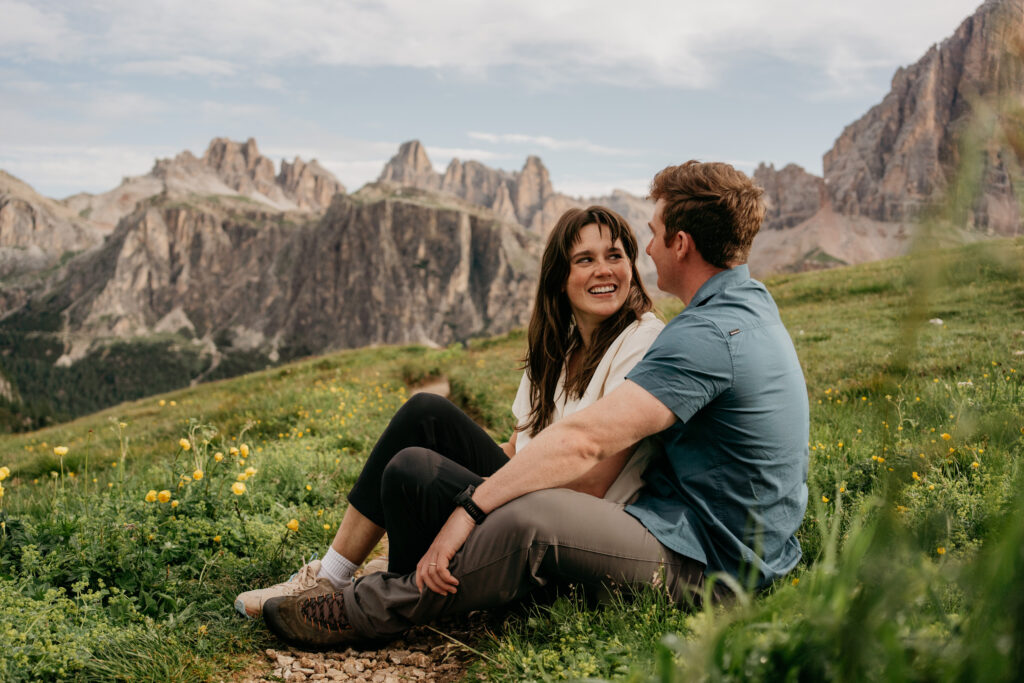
x=605 y=92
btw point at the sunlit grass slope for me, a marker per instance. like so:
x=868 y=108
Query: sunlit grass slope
x=120 y=558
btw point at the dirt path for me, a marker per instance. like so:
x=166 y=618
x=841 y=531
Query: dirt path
x=425 y=654
x=438 y=386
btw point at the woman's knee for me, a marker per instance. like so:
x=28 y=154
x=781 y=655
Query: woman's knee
x=425 y=405
x=410 y=468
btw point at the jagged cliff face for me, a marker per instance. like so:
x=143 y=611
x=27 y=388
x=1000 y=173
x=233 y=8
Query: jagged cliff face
x=36 y=234
x=227 y=168
x=791 y=194
x=373 y=269
x=904 y=154
x=953 y=122
x=398 y=271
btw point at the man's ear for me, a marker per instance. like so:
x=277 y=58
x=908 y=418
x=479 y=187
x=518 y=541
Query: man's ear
x=681 y=244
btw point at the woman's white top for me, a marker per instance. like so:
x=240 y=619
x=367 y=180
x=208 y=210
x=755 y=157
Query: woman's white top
x=623 y=353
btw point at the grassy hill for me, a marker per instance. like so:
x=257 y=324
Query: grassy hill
x=912 y=547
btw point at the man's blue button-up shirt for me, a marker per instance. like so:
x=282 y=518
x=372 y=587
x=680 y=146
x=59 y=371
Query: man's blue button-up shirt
x=731 y=489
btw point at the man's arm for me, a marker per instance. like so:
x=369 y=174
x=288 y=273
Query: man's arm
x=558 y=455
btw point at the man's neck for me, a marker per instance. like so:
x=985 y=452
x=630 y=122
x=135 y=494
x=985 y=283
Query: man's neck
x=695 y=278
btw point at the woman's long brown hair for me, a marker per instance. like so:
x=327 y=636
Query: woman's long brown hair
x=553 y=335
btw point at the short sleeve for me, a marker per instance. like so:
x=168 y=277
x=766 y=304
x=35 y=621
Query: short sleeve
x=632 y=350
x=687 y=367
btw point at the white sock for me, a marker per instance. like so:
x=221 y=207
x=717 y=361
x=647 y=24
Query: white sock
x=336 y=568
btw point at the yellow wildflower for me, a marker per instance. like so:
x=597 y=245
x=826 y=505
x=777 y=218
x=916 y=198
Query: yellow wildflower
x=975 y=464
x=238 y=488
x=327 y=526
x=216 y=539
x=293 y=524
x=202 y=628
x=916 y=476
x=4 y=473
x=946 y=436
x=197 y=475
x=163 y=496
x=151 y=497
x=174 y=403
x=243 y=450
x=233 y=451
x=174 y=503
x=824 y=499
x=185 y=445
x=218 y=456
x=60 y=451
x=162 y=403
x=796 y=580
x=940 y=550
x=250 y=471
x=122 y=425
x=1 y=491
x=308 y=487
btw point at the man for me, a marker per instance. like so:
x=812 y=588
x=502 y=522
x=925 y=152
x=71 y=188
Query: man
x=722 y=390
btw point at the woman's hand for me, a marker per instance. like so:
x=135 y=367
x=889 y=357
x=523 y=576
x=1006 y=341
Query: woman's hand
x=432 y=569
x=510 y=446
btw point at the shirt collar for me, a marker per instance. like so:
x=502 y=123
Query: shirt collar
x=718 y=282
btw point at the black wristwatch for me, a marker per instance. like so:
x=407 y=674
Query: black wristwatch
x=465 y=501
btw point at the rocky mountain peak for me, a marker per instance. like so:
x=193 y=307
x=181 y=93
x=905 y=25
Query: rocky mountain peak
x=411 y=166
x=310 y=185
x=226 y=168
x=792 y=195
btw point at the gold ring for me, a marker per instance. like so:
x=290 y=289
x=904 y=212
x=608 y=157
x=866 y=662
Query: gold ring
x=432 y=564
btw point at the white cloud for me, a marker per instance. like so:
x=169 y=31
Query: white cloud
x=589 y=188
x=688 y=43
x=546 y=142
x=186 y=65
x=463 y=153
x=27 y=31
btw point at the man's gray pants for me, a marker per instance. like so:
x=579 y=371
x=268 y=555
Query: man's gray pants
x=549 y=536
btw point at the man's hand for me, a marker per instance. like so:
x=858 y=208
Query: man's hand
x=432 y=569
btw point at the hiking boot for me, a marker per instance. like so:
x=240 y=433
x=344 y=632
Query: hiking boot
x=250 y=603
x=376 y=565
x=312 y=622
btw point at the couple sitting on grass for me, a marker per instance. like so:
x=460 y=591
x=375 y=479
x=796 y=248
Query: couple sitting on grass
x=644 y=454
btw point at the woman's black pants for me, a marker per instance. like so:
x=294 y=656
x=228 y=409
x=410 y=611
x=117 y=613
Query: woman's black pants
x=429 y=452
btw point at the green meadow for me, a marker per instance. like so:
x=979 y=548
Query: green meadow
x=120 y=558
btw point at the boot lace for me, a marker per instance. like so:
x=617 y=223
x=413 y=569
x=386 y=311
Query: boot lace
x=326 y=612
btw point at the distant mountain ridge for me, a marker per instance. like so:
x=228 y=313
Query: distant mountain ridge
x=219 y=264
x=226 y=168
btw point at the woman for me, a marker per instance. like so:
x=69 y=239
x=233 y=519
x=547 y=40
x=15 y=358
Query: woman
x=591 y=323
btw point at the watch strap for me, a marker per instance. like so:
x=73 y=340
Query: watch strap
x=465 y=500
